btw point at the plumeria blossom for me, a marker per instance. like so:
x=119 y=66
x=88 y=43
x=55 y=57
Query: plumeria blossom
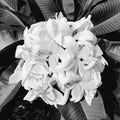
x=60 y=61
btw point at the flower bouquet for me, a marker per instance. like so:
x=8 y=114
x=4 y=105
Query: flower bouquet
x=68 y=56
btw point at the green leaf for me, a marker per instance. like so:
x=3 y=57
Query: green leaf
x=48 y=8
x=82 y=111
x=106 y=17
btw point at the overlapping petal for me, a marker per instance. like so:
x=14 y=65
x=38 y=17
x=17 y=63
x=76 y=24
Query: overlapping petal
x=60 y=53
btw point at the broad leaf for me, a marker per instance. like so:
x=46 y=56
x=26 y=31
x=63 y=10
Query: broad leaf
x=107 y=89
x=19 y=9
x=35 y=7
x=68 y=6
x=6 y=38
x=48 y=8
x=7 y=66
x=7 y=91
x=11 y=4
x=116 y=92
x=9 y=53
x=59 y=5
x=112 y=49
x=86 y=6
x=82 y=111
x=111 y=87
x=7 y=18
x=104 y=11
x=106 y=17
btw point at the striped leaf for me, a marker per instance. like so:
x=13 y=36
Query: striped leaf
x=68 y=6
x=112 y=50
x=48 y=8
x=7 y=66
x=8 y=20
x=82 y=111
x=86 y=6
x=106 y=17
x=20 y=9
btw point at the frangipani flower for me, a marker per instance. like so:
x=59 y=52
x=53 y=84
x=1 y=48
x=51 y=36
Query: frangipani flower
x=63 y=54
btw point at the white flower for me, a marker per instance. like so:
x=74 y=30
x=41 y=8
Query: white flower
x=62 y=53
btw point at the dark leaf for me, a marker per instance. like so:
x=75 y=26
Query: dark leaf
x=111 y=92
x=68 y=6
x=107 y=90
x=116 y=92
x=96 y=111
x=59 y=5
x=108 y=26
x=7 y=91
x=82 y=111
x=11 y=4
x=20 y=6
x=112 y=49
x=86 y=6
x=9 y=53
x=106 y=17
x=7 y=66
x=72 y=111
x=25 y=19
x=104 y=11
x=7 y=18
x=35 y=7
x=48 y=8
x=8 y=37
x=19 y=9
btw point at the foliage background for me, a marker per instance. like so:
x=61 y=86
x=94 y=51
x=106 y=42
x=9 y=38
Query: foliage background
x=15 y=15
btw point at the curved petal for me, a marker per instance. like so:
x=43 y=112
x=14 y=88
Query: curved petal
x=16 y=76
x=89 y=95
x=94 y=81
x=50 y=28
x=72 y=77
x=27 y=40
x=77 y=93
x=63 y=27
x=86 y=35
x=19 y=51
x=30 y=96
x=66 y=64
x=82 y=24
x=71 y=45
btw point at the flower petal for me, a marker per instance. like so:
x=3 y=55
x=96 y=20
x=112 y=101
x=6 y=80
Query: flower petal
x=30 y=96
x=77 y=93
x=63 y=27
x=19 y=51
x=50 y=28
x=82 y=24
x=71 y=45
x=86 y=35
x=89 y=95
x=66 y=64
